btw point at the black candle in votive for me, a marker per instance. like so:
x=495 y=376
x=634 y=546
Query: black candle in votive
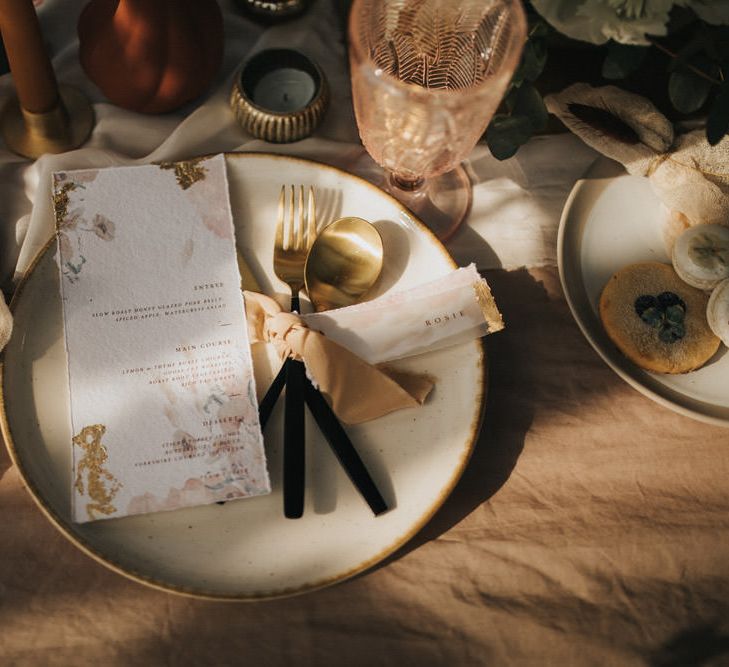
x=284 y=89
x=272 y=11
x=280 y=95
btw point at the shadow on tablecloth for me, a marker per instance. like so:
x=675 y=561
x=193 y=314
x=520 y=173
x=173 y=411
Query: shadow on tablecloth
x=526 y=366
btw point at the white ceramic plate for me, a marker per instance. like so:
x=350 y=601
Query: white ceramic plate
x=246 y=549
x=610 y=220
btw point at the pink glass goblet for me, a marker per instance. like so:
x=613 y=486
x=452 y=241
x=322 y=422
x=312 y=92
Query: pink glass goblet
x=427 y=76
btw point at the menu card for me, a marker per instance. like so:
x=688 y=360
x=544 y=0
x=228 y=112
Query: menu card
x=163 y=402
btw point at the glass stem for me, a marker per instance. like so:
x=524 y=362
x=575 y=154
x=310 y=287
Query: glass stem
x=407 y=184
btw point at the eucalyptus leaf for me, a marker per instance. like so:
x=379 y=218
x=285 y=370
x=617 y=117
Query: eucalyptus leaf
x=505 y=134
x=687 y=90
x=694 y=46
x=622 y=60
x=511 y=97
x=533 y=59
x=517 y=78
x=717 y=123
x=529 y=103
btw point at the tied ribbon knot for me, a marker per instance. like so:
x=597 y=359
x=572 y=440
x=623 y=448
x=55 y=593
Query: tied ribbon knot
x=356 y=390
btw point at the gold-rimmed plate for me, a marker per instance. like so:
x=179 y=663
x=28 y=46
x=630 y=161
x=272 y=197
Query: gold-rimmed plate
x=610 y=220
x=247 y=549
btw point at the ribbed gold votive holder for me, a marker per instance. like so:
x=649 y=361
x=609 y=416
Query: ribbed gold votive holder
x=272 y=11
x=279 y=95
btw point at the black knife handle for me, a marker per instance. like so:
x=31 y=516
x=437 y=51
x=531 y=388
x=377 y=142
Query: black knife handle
x=343 y=448
x=294 y=446
x=274 y=391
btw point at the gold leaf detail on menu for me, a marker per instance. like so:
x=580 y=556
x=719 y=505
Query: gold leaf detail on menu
x=101 y=485
x=187 y=172
x=61 y=201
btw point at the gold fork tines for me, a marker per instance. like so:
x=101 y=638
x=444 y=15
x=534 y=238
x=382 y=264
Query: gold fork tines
x=295 y=233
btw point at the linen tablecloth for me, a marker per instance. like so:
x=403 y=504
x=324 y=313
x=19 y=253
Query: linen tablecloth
x=590 y=527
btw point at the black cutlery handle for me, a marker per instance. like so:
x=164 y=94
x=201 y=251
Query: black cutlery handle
x=294 y=440
x=343 y=448
x=274 y=391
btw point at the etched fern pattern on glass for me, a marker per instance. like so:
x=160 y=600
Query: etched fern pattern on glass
x=444 y=52
x=427 y=76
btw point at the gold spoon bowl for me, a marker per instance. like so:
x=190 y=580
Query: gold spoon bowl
x=343 y=264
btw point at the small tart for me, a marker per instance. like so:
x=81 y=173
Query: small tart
x=701 y=255
x=717 y=312
x=656 y=319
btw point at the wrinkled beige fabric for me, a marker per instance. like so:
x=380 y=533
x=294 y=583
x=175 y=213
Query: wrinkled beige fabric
x=589 y=529
x=689 y=175
x=356 y=390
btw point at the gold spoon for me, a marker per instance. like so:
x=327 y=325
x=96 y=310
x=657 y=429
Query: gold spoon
x=343 y=264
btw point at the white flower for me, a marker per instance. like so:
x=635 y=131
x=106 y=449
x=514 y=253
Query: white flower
x=597 y=21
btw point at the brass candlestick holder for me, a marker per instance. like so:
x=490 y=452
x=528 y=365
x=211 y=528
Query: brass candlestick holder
x=63 y=128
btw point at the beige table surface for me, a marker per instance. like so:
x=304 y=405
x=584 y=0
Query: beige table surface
x=590 y=528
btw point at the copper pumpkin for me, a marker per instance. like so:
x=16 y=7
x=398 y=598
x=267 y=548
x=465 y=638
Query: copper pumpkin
x=151 y=56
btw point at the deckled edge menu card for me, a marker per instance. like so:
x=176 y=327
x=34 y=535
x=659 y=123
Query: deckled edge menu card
x=163 y=406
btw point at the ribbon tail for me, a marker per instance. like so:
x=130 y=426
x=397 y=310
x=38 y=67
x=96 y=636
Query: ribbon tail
x=357 y=391
x=418 y=386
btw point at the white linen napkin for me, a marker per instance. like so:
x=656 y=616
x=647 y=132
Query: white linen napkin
x=689 y=176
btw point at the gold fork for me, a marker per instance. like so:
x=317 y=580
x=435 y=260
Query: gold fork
x=293 y=240
x=291 y=245
x=290 y=248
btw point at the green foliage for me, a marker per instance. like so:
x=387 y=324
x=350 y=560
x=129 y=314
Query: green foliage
x=696 y=58
x=687 y=90
x=698 y=73
x=717 y=124
x=523 y=112
x=506 y=133
x=621 y=60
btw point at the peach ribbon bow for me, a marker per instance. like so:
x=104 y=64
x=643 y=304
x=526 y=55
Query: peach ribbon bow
x=356 y=390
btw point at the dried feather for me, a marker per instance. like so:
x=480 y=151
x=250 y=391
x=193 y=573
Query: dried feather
x=605 y=122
